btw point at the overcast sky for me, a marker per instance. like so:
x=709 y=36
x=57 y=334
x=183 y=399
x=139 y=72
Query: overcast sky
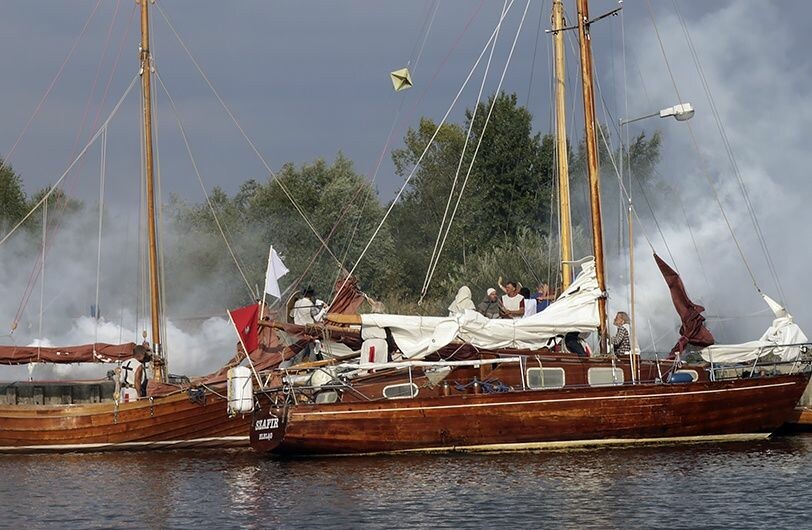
x=308 y=79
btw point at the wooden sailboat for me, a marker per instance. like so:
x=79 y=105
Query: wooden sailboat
x=503 y=399
x=91 y=415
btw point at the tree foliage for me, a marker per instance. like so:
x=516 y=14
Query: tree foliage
x=341 y=207
x=504 y=194
x=12 y=198
x=504 y=223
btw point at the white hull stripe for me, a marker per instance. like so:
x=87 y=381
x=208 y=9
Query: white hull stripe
x=575 y=444
x=294 y=415
x=216 y=441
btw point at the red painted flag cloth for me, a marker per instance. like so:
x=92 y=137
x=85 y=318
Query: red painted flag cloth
x=245 y=320
x=693 y=330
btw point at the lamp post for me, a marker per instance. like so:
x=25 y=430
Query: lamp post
x=681 y=112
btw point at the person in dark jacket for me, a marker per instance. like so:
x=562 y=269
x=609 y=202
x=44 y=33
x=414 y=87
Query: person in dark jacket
x=490 y=306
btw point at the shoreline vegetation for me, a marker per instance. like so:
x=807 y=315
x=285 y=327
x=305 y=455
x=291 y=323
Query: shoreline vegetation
x=506 y=224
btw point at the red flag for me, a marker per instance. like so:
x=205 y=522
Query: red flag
x=693 y=330
x=246 y=322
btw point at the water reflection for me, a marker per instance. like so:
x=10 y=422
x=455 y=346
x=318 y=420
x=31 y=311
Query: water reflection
x=688 y=486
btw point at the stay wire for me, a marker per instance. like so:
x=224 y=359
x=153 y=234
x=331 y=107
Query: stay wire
x=423 y=154
x=53 y=187
x=729 y=151
x=482 y=134
x=245 y=136
x=434 y=253
x=202 y=185
x=4 y=162
x=102 y=176
x=703 y=162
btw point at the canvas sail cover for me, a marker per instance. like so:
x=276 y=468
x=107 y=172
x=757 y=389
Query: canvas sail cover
x=348 y=297
x=85 y=353
x=783 y=338
x=417 y=336
x=693 y=330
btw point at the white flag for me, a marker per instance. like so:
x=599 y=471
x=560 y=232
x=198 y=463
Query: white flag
x=276 y=269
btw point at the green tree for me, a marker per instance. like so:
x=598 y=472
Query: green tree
x=341 y=206
x=507 y=191
x=12 y=198
x=513 y=169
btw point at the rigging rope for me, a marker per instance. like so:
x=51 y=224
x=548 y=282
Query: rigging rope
x=105 y=48
x=203 y=186
x=409 y=114
x=160 y=210
x=729 y=151
x=42 y=279
x=423 y=154
x=533 y=60
x=481 y=137
x=245 y=136
x=4 y=162
x=102 y=174
x=70 y=166
x=703 y=162
x=62 y=201
x=434 y=254
x=426 y=34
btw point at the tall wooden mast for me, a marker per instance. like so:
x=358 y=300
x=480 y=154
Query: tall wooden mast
x=154 y=291
x=565 y=222
x=592 y=162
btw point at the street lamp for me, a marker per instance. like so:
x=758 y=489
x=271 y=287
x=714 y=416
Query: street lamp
x=681 y=112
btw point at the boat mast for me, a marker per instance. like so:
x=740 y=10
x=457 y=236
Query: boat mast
x=155 y=301
x=565 y=222
x=593 y=173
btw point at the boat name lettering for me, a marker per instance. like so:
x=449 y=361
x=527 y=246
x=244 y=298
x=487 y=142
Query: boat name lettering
x=266 y=424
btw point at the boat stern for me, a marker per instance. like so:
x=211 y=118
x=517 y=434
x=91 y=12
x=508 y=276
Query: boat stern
x=267 y=428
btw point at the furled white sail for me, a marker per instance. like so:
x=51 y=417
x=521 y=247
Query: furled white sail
x=575 y=310
x=783 y=338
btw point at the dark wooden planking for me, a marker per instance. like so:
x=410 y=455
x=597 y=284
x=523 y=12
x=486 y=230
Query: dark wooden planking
x=647 y=411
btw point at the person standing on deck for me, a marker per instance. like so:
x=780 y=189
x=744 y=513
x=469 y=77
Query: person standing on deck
x=512 y=301
x=133 y=371
x=621 y=344
x=308 y=309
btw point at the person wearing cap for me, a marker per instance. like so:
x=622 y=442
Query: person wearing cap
x=489 y=307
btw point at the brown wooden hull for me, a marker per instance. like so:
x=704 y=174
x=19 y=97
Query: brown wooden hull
x=529 y=419
x=172 y=421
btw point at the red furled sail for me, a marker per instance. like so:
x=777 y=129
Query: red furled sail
x=84 y=353
x=348 y=298
x=693 y=330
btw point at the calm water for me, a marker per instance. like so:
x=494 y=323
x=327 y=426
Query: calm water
x=742 y=485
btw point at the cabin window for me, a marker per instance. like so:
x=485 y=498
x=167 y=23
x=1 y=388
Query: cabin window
x=545 y=377
x=327 y=397
x=693 y=373
x=600 y=376
x=401 y=391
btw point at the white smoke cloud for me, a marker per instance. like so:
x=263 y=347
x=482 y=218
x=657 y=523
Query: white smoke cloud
x=763 y=98
x=194 y=345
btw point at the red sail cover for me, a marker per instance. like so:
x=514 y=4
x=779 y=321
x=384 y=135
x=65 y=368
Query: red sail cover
x=692 y=330
x=348 y=298
x=84 y=353
x=246 y=321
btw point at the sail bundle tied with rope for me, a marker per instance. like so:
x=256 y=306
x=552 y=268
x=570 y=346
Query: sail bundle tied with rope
x=84 y=353
x=693 y=330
